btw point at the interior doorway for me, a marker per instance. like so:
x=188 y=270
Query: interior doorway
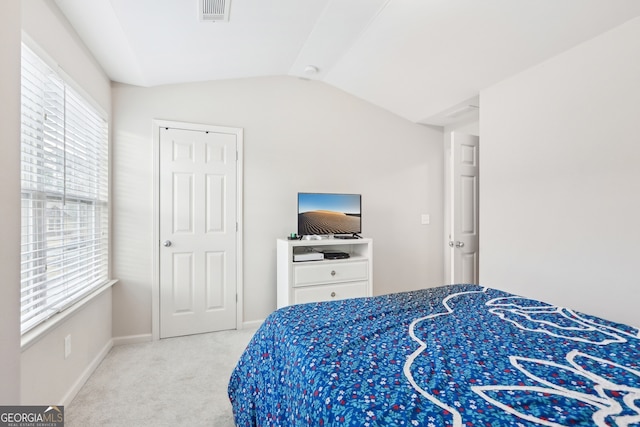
x=462 y=208
x=198 y=233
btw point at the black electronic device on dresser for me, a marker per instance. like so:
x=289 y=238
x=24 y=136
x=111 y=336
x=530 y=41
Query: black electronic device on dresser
x=333 y=254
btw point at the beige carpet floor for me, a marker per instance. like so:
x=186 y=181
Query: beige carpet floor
x=172 y=382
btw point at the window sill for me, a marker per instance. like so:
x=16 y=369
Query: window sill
x=34 y=335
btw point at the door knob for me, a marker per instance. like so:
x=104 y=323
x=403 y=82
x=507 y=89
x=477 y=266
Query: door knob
x=459 y=244
x=166 y=243
x=450 y=244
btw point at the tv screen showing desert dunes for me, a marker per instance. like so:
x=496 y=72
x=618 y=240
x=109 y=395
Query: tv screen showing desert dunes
x=327 y=213
x=327 y=222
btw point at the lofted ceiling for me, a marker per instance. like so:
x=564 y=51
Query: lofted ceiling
x=424 y=60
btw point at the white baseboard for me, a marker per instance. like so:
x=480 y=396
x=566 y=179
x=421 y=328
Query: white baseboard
x=132 y=339
x=252 y=324
x=75 y=388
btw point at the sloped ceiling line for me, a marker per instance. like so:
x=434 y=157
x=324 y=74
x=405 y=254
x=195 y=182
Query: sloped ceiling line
x=415 y=58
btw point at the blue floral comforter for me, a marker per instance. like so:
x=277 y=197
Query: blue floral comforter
x=459 y=355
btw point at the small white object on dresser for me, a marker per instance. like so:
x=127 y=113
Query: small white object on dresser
x=328 y=279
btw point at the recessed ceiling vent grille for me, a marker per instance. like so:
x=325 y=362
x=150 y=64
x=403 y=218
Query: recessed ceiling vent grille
x=214 y=10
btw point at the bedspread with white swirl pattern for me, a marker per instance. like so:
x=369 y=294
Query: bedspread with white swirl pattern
x=458 y=355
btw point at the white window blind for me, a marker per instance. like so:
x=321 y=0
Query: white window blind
x=64 y=169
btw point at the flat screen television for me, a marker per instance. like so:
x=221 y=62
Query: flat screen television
x=329 y=214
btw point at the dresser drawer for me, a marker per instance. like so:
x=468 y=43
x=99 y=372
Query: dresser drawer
x=329 y=292
x=306 y=275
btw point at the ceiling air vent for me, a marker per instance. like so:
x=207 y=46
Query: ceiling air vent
x=214 y=10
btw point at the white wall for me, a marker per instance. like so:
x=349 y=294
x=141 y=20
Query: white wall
x=298 y=136
x=560 y=178
x=10 y=206
x=46 y=376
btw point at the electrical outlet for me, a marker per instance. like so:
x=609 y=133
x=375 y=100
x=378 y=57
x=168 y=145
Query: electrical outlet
x=425 y=219
x=67 y=346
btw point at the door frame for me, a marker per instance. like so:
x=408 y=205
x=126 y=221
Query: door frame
x=470 y=127
x=155 y=243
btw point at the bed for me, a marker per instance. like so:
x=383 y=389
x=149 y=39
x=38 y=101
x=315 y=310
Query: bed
x=458 y=355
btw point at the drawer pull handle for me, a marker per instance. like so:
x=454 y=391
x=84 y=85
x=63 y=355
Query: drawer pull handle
x=333 y=272
x=333 y=294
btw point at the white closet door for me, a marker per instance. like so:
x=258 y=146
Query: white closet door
x=197 y=232
x=464 y=241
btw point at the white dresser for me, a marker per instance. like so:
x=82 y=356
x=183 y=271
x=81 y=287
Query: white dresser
x=324 y=280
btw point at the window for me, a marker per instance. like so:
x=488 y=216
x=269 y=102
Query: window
x=64 y=176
